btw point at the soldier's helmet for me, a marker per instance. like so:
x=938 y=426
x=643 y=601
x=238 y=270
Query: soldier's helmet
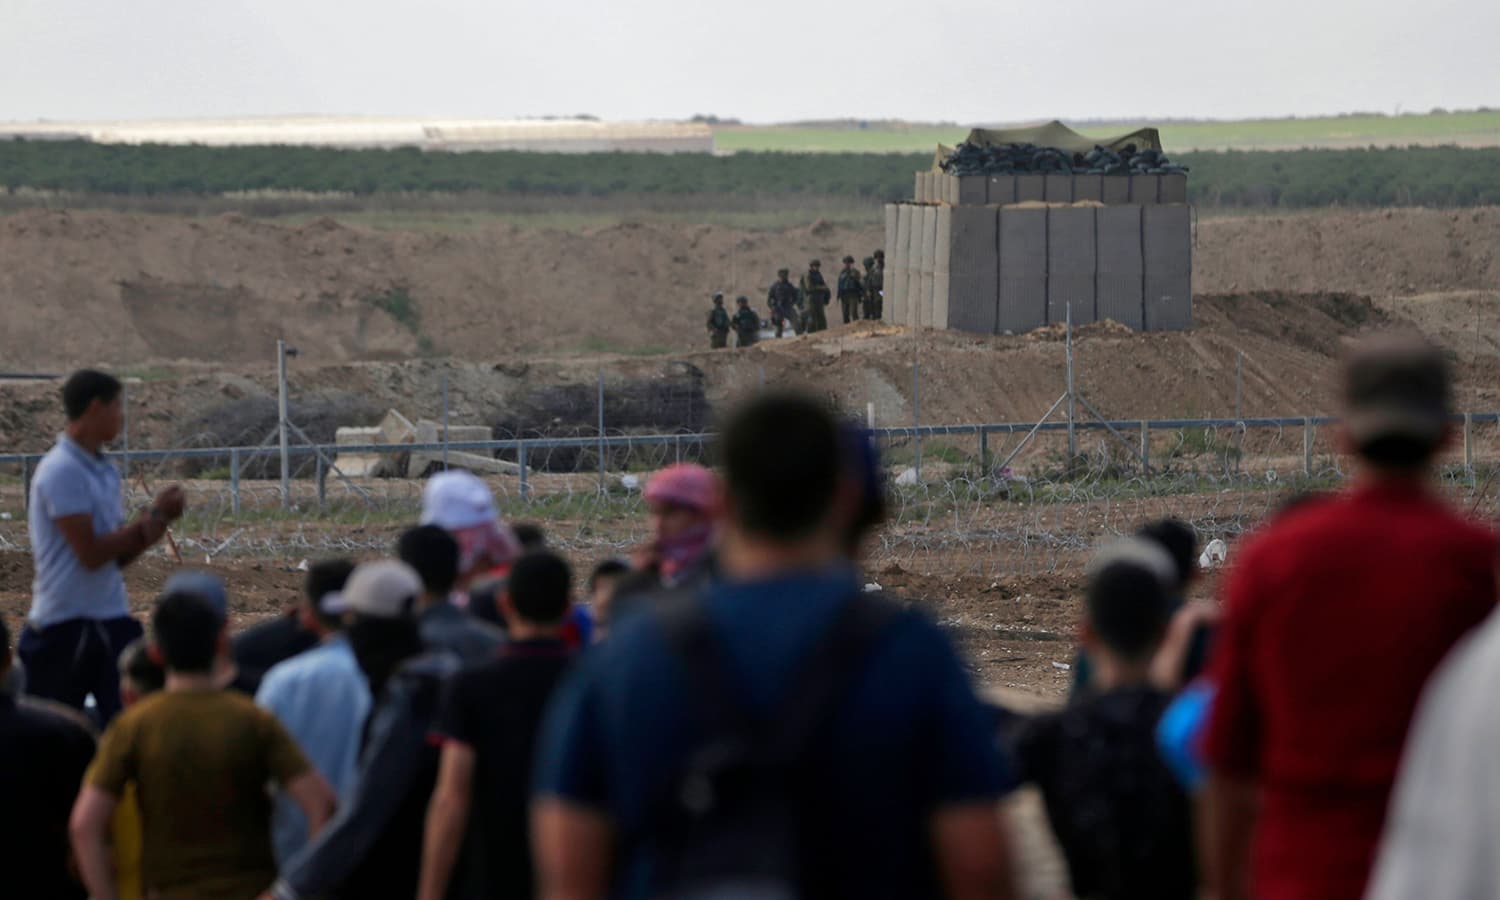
x=848 y=260
x=880 y=254
x=869 y=262
x=742 y=301
x=783 y=271
x=718 y=299
x=814 y=264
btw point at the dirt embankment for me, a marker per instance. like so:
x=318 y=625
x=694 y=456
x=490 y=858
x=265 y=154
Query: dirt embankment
x=1290 y=344
x=131 y=290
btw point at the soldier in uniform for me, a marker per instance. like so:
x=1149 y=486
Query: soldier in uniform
x=815 y=292
x=875 y=285
x=851 y=290
x=746 y=324
x=782 y=299
x=718 y=325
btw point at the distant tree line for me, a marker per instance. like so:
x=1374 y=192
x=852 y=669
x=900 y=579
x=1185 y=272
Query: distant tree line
x=1427 y=176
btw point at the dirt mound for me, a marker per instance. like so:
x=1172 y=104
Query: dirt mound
x=1380 y=253
x=127 y=290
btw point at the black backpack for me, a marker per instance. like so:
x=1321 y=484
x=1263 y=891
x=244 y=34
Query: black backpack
x=733 y=823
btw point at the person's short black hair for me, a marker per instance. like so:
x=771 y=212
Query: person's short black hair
x=84 y=387
x=187 y=627
x=434 y=554
x=1399 y=452
x=540 y=586
x=609 y=568
x=325 y=577
x=1128 y=609
x=1181 y=543
x=145 y=674
x=782 y=462
x=529 y=535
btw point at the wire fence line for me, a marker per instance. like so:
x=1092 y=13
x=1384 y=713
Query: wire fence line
x=966 y=500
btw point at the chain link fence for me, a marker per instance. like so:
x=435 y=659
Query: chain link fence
x=978 y=500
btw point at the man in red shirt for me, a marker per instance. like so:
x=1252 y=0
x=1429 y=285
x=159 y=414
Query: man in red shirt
x=1335 y=616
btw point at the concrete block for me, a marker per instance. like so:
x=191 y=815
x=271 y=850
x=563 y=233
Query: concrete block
x=892 y=229
x=942 y=258
x=973 y=269
x=360 y=465
x=919 y=187
x=1145 y=190
x=1167 y=239
x=925 y=294
x=1031 y=188
x=1118 y=240
x=1121 y=265
x=1168 y=301
x=1088 y=187
x=1023 y=242
x=973 y=190
x=913 y=293
x=897 y=279
x=429 y=432
x=1002 y=189
x=1114 y=190
x=1118 y=298
x=1022 y=304
x=1173 y=189
x=1058 y=188
x=1071 y=264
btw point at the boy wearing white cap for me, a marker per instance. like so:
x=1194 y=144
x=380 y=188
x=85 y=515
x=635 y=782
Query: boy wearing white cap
x=373 y=846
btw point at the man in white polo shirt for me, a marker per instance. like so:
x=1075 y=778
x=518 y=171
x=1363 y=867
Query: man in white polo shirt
x=80 y=620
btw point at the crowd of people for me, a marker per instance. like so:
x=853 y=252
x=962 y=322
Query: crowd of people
x=730 y=713
x=802 y=307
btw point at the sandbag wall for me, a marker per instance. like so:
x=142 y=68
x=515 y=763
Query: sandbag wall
x=1007 y=264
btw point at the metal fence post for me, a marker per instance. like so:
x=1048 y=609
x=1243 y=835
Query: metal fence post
x=1307 y=446
x=521 y=461
x=445 y=423
x=984 y=450
x=322 y=482
x=1145 y=446
x=234 y=481
x=1469 y=445
x=125 y=434
x=601 y=432
x=677 y=444
x=26 y=483
x=281 y=422
x=916 y=414
x=1072 y=436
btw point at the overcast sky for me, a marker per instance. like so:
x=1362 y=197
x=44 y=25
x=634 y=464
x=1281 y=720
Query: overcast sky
x=761 y=60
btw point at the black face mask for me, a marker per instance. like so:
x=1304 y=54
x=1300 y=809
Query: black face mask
x=380 y=647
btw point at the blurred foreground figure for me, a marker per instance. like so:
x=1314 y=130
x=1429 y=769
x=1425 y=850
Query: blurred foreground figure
x=1335 y=617
x=778 y=732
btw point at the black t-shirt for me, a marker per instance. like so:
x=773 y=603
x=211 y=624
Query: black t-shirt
x=1122 y=820
x=42 y=759
x=496 y=709
x=259 y=647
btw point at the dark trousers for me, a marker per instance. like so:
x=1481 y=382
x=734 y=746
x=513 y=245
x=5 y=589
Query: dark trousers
x=70 y=660
x=851 y=308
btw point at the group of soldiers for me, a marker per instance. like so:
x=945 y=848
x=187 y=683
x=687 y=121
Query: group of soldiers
x=803 y=306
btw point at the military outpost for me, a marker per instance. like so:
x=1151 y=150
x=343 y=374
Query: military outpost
x=1014 y=230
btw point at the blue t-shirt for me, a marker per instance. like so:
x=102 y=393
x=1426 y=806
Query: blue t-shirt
x=71 y=481
x=908 y=738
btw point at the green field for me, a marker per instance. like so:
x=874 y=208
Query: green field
x=1471 y=129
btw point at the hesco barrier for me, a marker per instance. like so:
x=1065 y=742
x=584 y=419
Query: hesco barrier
x=997 y=269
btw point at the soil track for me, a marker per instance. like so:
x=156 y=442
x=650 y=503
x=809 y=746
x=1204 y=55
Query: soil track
x=127 y=290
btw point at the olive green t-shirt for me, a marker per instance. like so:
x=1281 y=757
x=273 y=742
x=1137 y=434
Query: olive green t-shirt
x=202 y=762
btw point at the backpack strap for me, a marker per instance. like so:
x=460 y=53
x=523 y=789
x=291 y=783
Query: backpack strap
x=820 y=682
